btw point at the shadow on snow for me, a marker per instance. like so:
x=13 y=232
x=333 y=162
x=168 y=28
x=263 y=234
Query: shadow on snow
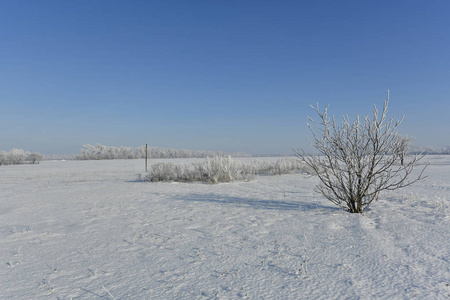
x=257 y=203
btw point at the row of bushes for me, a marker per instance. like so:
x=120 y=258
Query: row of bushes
x=221 y=169
x=18 y=156
x=96 y=152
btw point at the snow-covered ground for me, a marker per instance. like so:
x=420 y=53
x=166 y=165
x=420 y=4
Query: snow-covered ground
x=89 y=230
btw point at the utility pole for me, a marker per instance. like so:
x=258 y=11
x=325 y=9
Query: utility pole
x=146 y=147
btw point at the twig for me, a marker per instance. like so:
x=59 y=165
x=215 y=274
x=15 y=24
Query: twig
x=108 y=292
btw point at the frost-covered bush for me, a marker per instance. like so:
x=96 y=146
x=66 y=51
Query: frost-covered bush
x=212 y=170
x=360 y=159
x=221 y=169
x=18 y=156
x=285 y=166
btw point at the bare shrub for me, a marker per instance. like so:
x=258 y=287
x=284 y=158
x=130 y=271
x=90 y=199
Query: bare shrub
x=358 y=160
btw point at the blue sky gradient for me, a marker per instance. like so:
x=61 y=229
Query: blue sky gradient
x=216 y=75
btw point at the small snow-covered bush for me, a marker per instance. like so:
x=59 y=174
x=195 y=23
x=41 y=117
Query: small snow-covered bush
x=221 y=169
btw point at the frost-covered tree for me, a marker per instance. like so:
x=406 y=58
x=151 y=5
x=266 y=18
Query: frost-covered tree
x=403 y=147
x=35 y=157
x=16 y=156
x=358 y=160
x=3 y=158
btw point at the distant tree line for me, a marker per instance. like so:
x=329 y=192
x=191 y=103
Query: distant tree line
x=96 y=152
x=19 y=156
x=433 y=150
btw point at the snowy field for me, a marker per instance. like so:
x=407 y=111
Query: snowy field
x=89 y=230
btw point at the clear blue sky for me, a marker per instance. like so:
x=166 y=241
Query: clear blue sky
x=216 y=75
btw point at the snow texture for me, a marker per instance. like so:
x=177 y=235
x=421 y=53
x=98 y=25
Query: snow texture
x=90 y=230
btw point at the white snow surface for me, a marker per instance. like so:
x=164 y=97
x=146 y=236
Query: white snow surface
x=89 y=230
